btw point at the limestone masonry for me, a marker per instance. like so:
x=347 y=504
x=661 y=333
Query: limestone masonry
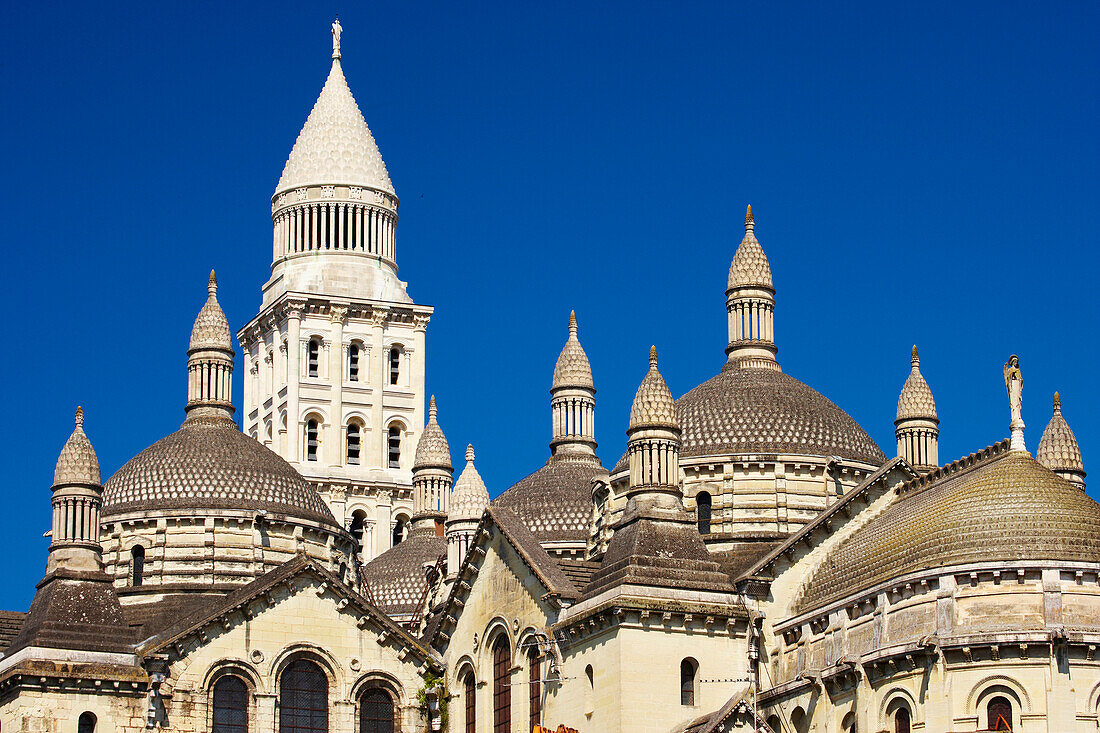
x=754 y=562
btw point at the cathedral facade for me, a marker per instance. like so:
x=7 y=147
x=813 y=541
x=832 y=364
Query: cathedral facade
x=752 y=562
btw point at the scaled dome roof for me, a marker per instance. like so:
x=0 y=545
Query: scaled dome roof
x=572 y=368
x=1005 y=508
x=469 y=498
x=555 y=502
x=653 y=404
x=209 y=464
x=396 y=578
x=335 y=145
x=432 y=450
x=750 y=267
x=77 y=462
x=211 y=329
x=1058 y=448
x=915 y=400
x=766 y=411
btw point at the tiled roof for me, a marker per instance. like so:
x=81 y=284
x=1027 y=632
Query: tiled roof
x=396 y=578
x=555 y=502
x=572 y=368
x=209 y=464
x=211 y=329
x=653 y=403
x=579 y=572
x=10 y=623
x=915 y=400
x=77 y=463
x=750 y=265
x=469 y=497
x=335 y=145
x=432 y=450
x=997 y=506
x=1058 y=449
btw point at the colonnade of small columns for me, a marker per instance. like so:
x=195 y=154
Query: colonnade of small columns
x=431 y=493
x=335 y=226
x=76 y=519
x=574 y=417
x=209 y=380
x=751 y=320
x=919 y=446
x=654 y=462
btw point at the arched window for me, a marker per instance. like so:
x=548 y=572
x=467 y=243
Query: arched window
x=399 y=528
x=688 y=668
x=313 y=358
x=376 y=712
x=137 y=566
x=353 y=363
x=468 y=691
x=86 y=723
x=848 y=725
x=901 y=720
x=395 y=365
x=774 y=723
x=702 y=511
x=303 y=699
x=353 y=443
x=534 y=685
x=502 y=689
x=312 y=440
x=230 y=705
x=800 y=722
x=590 y=692
x=393 y=446
x=358 y=521
x=999 y=713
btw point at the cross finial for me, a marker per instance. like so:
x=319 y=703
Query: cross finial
x=573 y=324
x=652 y=357
x=470 y=453
x=212 y=284
x=79 y=417
x=749 y=223
x=336 y=31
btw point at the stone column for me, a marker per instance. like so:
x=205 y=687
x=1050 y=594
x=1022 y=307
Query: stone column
x=293 y=351
x=337 y=316
x=382 y=512
x=378 y=376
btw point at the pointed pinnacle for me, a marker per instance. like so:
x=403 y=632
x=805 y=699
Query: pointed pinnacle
x=1057 y=402
x=652 y=357
x=914 y=359
x=79 y=419
x=573 y=324
x=749 y=223
x=212 y=284
x=431 y=409
x=470 y=453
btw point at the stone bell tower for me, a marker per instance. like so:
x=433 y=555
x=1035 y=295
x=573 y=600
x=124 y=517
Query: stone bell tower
x=334 y=361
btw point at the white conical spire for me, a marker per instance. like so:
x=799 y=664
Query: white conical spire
x=750 y=304
x=77 y=502
x=210 y=360
x=335 y=146
x=916 y=426
x=573 y=399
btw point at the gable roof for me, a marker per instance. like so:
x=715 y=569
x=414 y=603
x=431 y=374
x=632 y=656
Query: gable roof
x=240 y=599
x=556 y=582
x=843 y=505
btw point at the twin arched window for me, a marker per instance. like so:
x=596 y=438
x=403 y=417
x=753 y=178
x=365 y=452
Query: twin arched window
x=230 y=705
x=688 y=669
x=702 y=511
x=502 y=688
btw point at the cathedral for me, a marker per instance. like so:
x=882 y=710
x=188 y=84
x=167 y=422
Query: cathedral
x=308 y=561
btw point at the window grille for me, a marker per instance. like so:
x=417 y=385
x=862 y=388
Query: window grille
x=502 y=690
x=687 y=682
x=469 y=693
x=535 y=687
x=303 y=699
x=702 y=511
x=230 y=705
x=376 y=712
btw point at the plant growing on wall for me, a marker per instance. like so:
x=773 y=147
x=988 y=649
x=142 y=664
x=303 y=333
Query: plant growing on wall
x=432 y=700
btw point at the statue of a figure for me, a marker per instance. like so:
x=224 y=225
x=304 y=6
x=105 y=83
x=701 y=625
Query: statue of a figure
x=336 y=30
x=1014 y=383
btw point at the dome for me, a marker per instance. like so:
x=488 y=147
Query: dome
x=915 y=400
x=766 y=411
x=211 y=329
x=997 y=506
x=432 y=450
x=653 y=404
x=469 y=497
x=77 y=463
x=335 y=145
x=209 y=464
x=395 y=579
x=572 y=368
x=1058 y=449
x=555 y=502
x=750 y=267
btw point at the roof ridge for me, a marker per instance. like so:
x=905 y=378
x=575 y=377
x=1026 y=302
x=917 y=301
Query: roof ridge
x=958 y=467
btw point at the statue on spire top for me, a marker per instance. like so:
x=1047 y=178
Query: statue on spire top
x=336 y=31
x=1014 y=383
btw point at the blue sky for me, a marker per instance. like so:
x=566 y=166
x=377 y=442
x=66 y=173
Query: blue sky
x=920 y=173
